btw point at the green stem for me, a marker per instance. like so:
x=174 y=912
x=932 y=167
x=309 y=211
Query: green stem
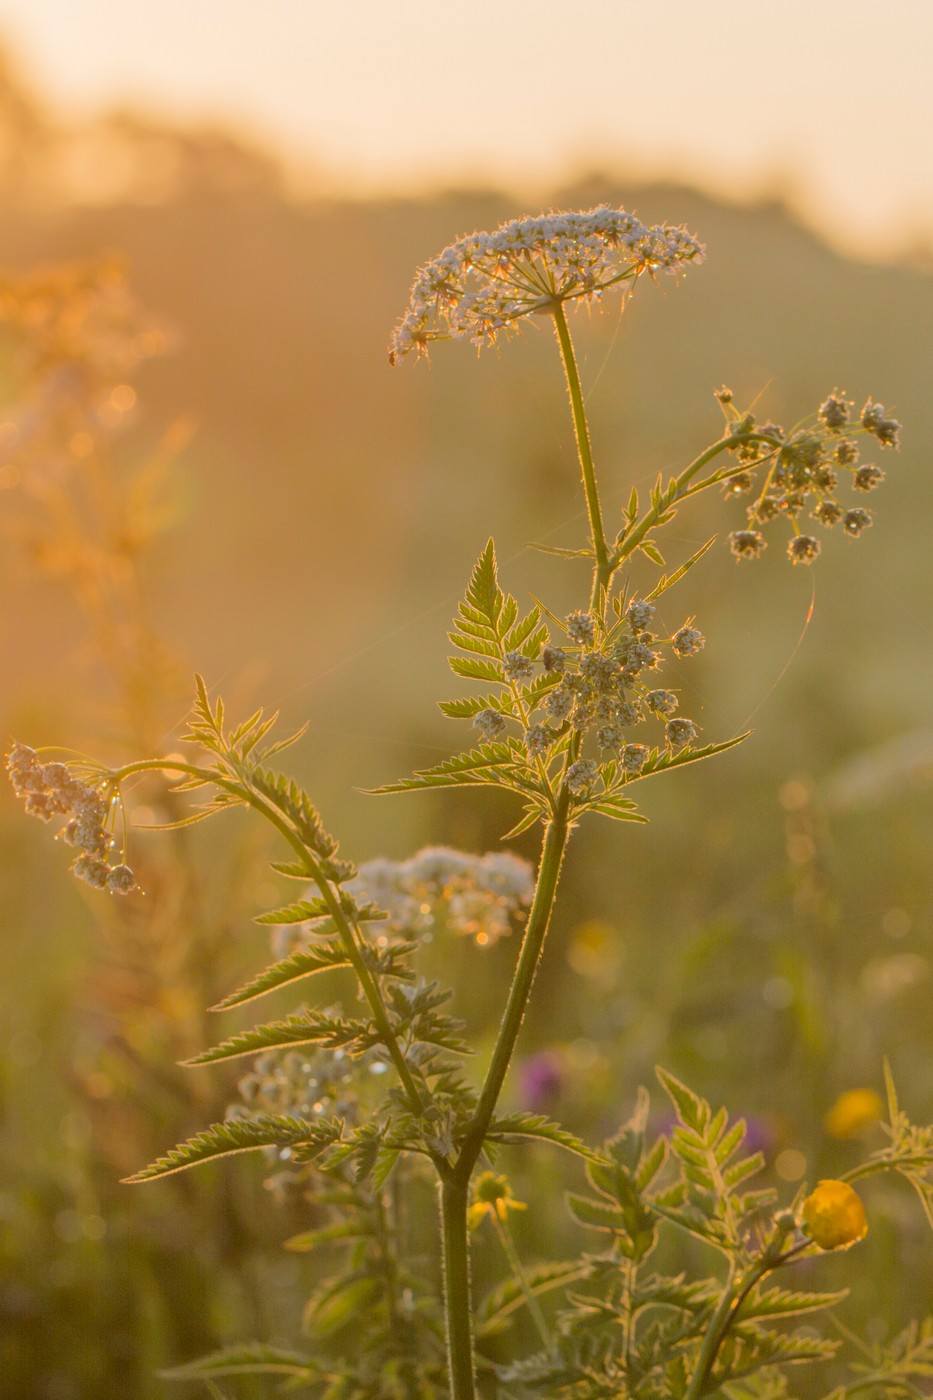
x=712 y=1341
x=552 y=854
x=458 y=1309
x=727 y=1310
x=603 y=571
x=677 y=491
x=515 y=1264
x=347 y=936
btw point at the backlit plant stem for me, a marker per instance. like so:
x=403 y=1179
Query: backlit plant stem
x=455 y=1185
x=458 y=1308
x=367 y=982
x=604 y=568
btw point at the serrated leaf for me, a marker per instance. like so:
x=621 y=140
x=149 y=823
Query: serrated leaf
x=470 y=705
x=494 y=1310
x=730 y=1141
x=333 y=1307
x=559 y=552
x=483 y=591
x=473 y=768
x=528 y=819
x=293 y=869
x=303 y=1028
x=749 y=1166
x=474 y=669
x=513 y=1127
x=338 y=1233
x=693 y=1111
x=480 y=646
x=298 y=913
x=667 y=581
x=782 y=1302
x=246 y=1359
x=619 y=811
x=599 y=1215
x=303 y=963
x=240 y=1135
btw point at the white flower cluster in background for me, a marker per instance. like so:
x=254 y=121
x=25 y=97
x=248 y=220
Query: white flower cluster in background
x=438 y=889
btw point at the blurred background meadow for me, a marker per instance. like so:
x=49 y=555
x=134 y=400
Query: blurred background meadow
x=211 y=221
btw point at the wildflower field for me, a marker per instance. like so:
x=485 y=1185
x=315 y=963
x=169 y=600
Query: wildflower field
x=596 y=1059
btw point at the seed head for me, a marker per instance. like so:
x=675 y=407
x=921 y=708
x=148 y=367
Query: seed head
x=489 y=723
x=639 y=614
x=581 y=776
x=518 y=667
x=634 y=757
x=747 y=544
x=855 y=521
x=803 y=549
x=661 y=702
x=580 y=628
x=866 y=478
x=537 y=740
x=679 y=732
x=834 y=410
x=688 y=641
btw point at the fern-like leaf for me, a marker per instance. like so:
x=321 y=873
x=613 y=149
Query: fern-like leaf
x=304 y=1028
x=242 y=1135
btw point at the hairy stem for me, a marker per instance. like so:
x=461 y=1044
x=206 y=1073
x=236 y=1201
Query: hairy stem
x=458 y=1309
x=552 y=854
x=603 y=571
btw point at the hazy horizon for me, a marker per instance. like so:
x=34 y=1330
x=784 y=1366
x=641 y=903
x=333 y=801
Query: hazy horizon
x=741 y=101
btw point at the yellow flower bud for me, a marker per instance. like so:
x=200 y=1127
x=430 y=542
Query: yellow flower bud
x=852 y=1112
x=833 y=1216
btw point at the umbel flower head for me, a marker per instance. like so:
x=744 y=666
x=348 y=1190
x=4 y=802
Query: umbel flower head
x=833 y=1215
x=487 y=282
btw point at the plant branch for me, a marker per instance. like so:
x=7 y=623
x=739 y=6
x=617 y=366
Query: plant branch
x=603 y=571
x=552 y=854
x=348 y=934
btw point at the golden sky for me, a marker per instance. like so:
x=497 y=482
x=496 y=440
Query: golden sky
x=829 y=100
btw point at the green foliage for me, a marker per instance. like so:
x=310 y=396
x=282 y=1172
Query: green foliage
x=364 y=1114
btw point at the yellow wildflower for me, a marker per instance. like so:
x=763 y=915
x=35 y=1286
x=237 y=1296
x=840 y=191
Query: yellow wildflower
x=492 y=1196
x=833 y=1216
x=853 y=1111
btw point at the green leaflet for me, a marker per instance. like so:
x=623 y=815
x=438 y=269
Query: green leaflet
x=304 y=1028
x=242 y=1135
x=247 y=1359
x=513 y=1127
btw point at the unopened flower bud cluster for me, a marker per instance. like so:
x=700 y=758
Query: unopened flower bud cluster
x=604 y=687
x=53 y=790
x=478 y=897
x=805 y=469
x=487 y=282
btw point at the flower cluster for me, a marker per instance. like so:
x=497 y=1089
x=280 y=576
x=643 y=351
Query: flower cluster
x=804 y=470
x=602 y=687
x=298 y=1084
x=54 y=790
x=478 y=897
x=485 y=283
x=308 y=1084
